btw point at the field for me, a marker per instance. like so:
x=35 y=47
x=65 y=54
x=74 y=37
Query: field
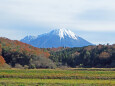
x=58 y=77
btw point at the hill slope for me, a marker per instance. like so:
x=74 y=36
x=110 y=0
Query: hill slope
x=17 y=53
x=90 y=56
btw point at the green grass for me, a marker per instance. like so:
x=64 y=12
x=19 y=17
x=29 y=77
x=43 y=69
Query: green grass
x=56 y=81
x=57 y=77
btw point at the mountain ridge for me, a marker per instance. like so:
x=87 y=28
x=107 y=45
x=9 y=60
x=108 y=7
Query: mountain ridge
x=56 y=38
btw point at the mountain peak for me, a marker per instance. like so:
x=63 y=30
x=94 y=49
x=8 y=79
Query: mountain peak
x=28 y=38
x=57 y=38
x=64 y=32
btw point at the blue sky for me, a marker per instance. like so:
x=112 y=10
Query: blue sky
x=94 y=20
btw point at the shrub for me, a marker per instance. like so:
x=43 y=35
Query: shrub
x=42 y=62
x=26 y=66
x=5 y=66
x=19 y=66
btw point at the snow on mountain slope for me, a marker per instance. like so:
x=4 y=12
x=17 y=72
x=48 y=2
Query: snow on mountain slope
x=64 y=32
x=57 y=38
x=28 y=38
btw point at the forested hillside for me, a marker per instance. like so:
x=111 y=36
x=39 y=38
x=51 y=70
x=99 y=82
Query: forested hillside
x=18 y=54
x=21 y=55
x=90 y=56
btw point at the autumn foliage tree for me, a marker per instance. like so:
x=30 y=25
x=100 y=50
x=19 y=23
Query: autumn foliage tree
x=2 y=61
x=104 y=55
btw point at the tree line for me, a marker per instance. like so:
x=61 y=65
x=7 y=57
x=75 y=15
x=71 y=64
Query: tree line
x=16 y=54
x=90 y=56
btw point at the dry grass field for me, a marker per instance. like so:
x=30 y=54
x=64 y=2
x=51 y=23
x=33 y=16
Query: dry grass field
x=58 y=77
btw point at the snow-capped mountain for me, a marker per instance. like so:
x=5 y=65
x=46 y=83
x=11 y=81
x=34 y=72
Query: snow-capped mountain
x=56 y=38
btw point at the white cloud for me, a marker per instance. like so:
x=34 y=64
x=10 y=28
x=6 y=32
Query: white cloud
x=59 y=13
x=11 y=33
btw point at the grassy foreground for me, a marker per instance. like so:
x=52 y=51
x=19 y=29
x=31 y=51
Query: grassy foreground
x=58 y=77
